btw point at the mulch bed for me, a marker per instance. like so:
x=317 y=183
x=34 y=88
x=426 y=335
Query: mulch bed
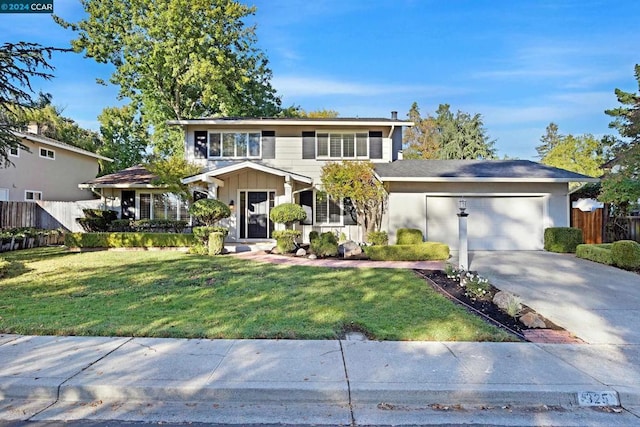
x=485 y=307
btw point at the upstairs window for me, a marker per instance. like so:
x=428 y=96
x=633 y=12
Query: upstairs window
x=14 y=152
x=32 y=196
x=234 y=145
x=343 y=145
x=47 y=154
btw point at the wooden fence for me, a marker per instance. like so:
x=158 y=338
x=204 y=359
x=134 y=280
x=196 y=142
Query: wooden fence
x=590 y=223
x=45 y=214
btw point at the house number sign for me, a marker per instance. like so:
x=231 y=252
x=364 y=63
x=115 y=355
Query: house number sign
x=598 y=398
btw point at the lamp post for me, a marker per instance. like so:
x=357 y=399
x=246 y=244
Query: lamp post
x=463 y=247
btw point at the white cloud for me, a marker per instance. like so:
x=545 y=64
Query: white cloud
x=322 y=86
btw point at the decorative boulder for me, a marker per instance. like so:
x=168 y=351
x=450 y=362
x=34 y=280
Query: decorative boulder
x=533 y=320
x=349 y=249
x=301 y=252
x=313 y=256
x=502 y=299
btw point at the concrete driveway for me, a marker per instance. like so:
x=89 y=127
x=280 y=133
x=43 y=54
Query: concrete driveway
x=598 y=303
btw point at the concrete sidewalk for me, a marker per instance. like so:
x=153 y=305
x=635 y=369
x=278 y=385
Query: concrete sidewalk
x=314 y=382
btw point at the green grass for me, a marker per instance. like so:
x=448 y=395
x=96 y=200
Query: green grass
x=172 y=294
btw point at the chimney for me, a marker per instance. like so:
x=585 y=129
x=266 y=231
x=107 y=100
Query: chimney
x=34 y=128
x=394 y=115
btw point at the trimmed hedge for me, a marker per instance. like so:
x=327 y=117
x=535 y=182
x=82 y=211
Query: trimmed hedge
x=378 y=238
x=562 y=239
x=216 y=242
x=409 y=236
x=598 y=253
x=425 y=251
x=128 y=240
x=286 y=240
x=626 y=254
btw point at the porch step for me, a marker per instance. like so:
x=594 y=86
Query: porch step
x=249 y=246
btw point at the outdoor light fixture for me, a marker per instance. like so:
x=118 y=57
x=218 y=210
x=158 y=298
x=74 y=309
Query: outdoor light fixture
x=462 y=204
x=231 y=204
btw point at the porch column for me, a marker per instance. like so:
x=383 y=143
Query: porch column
x=213 y=190
x=288 y=193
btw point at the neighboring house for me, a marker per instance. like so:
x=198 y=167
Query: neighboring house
x=50 y=170
x=132 y=193
x=254 y=164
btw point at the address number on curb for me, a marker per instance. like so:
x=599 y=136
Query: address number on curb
x=598 y=398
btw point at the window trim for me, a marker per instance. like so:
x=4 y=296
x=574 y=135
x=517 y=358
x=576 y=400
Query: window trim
x=17 y=153
x=355 y=134
x=328 y=223
x=4 y=191
x=47 y=151
x=153 y=195
x=221 y=133
x=33 y=192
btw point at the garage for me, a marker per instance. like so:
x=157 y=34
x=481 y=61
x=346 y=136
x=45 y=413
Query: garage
x=494 y=223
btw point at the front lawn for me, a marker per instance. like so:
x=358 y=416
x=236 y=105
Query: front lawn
x=172 y=294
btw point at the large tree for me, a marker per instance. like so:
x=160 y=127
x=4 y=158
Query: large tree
x=124 y=138
x=421 y=140
x=463 y=136
x=179 y=59
x=19 y=64
x=621 y=186
x=549 y=140
x=357 y=181
x=51 y=123
x=583 y=154
x=447 y=136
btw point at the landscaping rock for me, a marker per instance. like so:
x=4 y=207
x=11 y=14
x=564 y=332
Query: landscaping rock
x=349 y=249
x=533 y=320
x=275 y=250
x=301 y=252
x=313 y=256
x=502 y=298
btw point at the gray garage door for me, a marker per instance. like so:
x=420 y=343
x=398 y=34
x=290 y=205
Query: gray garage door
x=494 y=223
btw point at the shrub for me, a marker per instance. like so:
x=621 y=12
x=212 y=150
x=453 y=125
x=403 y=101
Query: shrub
x=286 y=240
x=562 y=239
x=425 y=251
x=409 y=236
x=201 y=234
x=626 y=254
x=216 y=243
x=287 y=214
x=96 y=220
x=127 y=240
x=313 y=235
x=159 y=225
x=121 y=225
x=209 y=211
x=325 y=245
x=598 y=253
x=378 y=238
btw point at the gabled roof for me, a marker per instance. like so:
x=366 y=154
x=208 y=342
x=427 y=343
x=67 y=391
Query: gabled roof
x=271 y=121
x=39 y=139
x=233 y=167
x=133 y=177
x=475 y=171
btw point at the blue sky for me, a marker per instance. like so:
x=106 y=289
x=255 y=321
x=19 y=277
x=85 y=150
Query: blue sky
x=520 y=64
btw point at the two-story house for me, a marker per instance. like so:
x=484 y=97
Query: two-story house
x=254 y=164
x=48 y=170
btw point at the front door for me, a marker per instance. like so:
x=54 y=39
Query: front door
x=128 y=205
x=254 y=214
